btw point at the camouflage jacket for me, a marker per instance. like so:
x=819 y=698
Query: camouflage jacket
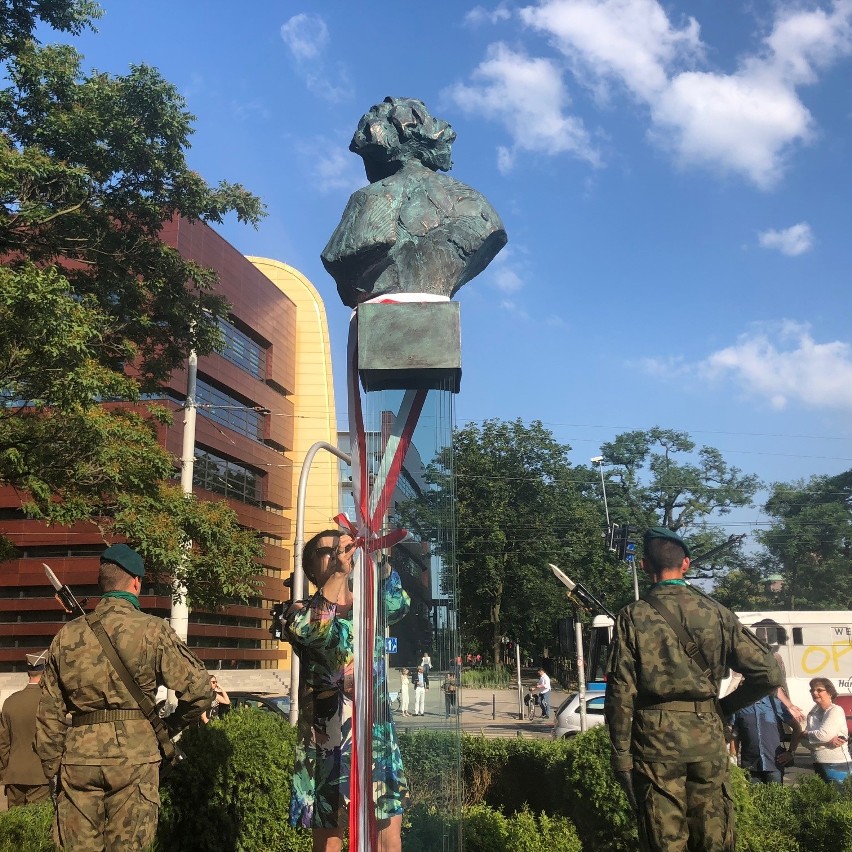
x=648 y=667
x=78 y=678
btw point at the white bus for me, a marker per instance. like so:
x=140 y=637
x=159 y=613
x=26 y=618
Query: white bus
x=809 y=643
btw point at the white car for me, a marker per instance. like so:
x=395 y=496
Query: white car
x=566 y=720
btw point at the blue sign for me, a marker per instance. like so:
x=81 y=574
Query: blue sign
x=390 y=645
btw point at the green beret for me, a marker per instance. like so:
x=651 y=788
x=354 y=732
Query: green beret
x=665 y=534
x=125 y=557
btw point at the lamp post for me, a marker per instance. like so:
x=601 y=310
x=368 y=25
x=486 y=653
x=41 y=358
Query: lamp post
x=598 y=460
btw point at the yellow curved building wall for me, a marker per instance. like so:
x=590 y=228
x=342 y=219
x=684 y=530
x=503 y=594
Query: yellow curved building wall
x=313 y=398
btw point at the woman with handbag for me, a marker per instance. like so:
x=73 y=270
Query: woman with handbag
x=827 y=733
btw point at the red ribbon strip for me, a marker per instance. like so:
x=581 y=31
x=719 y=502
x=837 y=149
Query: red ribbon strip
x=364 y=531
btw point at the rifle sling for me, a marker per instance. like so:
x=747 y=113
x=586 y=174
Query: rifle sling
x=167 y=747
x=692 y=650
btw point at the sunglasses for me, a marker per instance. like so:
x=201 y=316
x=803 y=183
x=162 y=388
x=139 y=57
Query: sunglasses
x=333 y=551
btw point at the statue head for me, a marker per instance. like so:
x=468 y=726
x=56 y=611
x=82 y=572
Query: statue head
x=397 y=131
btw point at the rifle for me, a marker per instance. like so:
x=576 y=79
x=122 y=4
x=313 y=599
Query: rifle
x=63 y=594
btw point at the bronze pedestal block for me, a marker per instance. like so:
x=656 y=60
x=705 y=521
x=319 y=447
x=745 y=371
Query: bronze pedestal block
x=409 y=346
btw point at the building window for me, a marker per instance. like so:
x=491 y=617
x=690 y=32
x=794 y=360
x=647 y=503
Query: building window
x=229 y=411
x=226 y=477
x=241 y=350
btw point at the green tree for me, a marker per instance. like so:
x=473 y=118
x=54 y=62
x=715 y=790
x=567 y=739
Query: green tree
x=656 y=477
x=810 y=542
x=94 y=308
x=519 y=505
x=748 y=587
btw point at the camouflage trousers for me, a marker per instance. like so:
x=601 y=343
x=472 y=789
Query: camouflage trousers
x=18 y=795
x=107 y=808
x=684 y=806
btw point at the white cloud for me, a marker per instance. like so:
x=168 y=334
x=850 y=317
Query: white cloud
x=515 y=309
x=306 y=36
x=528 y=97
x=334 y=87
x=803 y=42
x=746 y=121
x=507 y=271
x=783 y=364
x=479 y=15
x=507 y=280
x=792 y=241
x=743 y=123
x=333 y=167
x=629 y=40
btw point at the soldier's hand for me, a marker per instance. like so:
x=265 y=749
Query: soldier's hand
x=625 y=780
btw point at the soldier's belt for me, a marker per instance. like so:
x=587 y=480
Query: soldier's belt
x=105 y=716
x=706 y=706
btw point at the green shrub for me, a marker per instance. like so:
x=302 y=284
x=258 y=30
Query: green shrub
x=432 y=761
x=765 y=818
x=488 y=678
x=485 y=829
x=528 y=833
x=514 y=774
x=233 y=791
x=593 y=799
x=27 y=829
x=426 y=829
x=824 y=816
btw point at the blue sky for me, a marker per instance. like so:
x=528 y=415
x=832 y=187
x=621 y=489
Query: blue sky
x=674 y=179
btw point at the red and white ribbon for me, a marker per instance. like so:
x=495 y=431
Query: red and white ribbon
x=370 y=508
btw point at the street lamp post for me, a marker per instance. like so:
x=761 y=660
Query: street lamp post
x=598 y=460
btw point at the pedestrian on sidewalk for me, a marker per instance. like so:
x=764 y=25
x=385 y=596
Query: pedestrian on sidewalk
x=404 y=684
x=543 y=690
x=419 y=692
x=449 y=688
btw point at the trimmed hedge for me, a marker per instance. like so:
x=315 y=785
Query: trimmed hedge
x=233 y=791
x=488 y=830
x=520 y=795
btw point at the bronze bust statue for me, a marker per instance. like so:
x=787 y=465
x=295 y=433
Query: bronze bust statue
x=413 y=229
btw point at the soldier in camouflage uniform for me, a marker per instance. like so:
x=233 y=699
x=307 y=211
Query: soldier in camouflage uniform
x=108 y=759
x=663 y=715
x=20 y=768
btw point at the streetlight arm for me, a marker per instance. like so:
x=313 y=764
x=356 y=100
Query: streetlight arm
x=297 y=589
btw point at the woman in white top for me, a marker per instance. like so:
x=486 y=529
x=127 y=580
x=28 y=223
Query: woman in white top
x=827 y=733
x=404 y=683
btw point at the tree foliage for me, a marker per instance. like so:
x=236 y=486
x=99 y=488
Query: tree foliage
x=519 y=505
x=657 y=477
x=94 y=307
x=810 y=542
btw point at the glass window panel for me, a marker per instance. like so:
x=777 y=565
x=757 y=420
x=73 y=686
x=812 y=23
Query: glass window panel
x=228 y=411
x=241 y=350
x=226 y=477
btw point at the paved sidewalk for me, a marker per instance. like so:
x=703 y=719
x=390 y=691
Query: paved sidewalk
x=489 y=712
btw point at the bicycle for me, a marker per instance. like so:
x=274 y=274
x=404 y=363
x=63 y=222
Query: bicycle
x=532 y=701
x=395 y=701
